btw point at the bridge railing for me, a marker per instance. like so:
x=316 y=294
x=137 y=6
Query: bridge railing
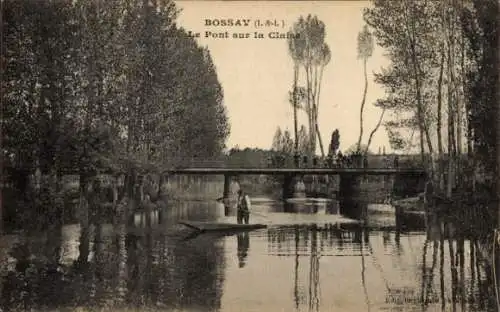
x=280 y=161
x=195 y=162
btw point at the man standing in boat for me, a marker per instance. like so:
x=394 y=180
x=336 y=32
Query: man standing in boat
x=243 y=213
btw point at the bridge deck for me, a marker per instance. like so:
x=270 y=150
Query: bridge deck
x=271 y=171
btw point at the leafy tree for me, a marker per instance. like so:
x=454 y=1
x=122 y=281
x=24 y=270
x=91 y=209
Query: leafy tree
x=365 y=51
x=405 y=30
x=283 y=142
x=277 y=140
x=287 y=144
x=38 y=95
x=303 y=140
x=439 y=76
x=481 y=30
x=396 y=140
x=294 y=51
x=480 y=23
x=353 y=149
x=296 y=99
x=334 y=143
x=104 y=86
x=307 y=48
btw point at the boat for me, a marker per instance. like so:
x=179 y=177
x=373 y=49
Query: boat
x=221 y=227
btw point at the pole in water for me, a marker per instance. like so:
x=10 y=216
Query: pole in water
x=190 y=226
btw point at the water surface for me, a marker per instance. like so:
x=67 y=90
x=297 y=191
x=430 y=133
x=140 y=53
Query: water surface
x=310 y=258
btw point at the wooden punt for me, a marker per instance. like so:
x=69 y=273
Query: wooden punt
x=221 y=227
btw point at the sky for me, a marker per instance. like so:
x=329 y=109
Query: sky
x=256 y=74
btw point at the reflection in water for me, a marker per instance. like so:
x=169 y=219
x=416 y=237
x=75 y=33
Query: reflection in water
x=296 y=271
x=121 y=276
x=308 y=206
x=314 y=272
x=301 y=267
x=363 y=268
x=441 y=268
x=243 y=245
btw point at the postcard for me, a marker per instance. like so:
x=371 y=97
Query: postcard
x=229 y=156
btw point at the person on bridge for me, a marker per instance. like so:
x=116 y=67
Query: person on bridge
x=243 y=213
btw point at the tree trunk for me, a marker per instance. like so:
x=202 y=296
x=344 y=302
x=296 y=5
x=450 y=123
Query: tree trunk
x=458 y=142
x=83 y=202
x=450 y=159
x=319 y=139
x=471 y=162
x=362 y=106
x=450 y=131
x=467 y=124
x=497 y=148
x=130 y=181
x=423 y=129
x=421 y=136
x=374 y=131
x=294 y=103
x=310 y=113
x=2 y=172
x=317 y=111
x=439 y=121
x=2 y=186
x=319 y=135
x=139 y=196
x=463 y=119
x=452 y=112
x=459 y=128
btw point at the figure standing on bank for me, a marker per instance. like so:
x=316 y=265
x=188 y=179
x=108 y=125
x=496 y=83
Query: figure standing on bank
x=243 y=213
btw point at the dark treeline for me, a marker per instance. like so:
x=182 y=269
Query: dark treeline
x=103 y=86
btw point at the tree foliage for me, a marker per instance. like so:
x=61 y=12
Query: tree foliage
x=442 y=79
x=283 y=142
x=365 y=43
x=303 y=140
x=334 y=143
x=365 y=51
x=481 y=29
x=353 y=149
x=102 y=84
x=308 y=50
x=406 y=29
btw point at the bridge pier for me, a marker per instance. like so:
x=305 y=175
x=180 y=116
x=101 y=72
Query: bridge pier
x=287 y=191
x=293 y=186
x=227 y=186
x=351 y=203
x=226 y=193
x=299 y=188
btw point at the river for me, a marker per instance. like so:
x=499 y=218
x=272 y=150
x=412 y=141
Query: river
x=310 y=258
